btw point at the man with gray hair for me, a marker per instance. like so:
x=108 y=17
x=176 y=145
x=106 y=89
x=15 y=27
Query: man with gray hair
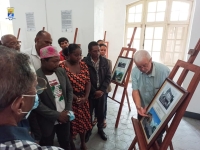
x=147 y=77
x=18 y=90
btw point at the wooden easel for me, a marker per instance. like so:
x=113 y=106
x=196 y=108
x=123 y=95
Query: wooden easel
x=188 y=66
x=106 y=43
x=18 y=33
x=75 y=35
x=124 y=52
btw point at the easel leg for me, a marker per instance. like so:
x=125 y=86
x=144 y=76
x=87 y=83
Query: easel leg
x=171 y=146
x=128 y=101
x=132 y=146
x=120 y=108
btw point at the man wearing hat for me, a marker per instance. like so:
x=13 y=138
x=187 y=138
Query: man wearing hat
x=55 y=102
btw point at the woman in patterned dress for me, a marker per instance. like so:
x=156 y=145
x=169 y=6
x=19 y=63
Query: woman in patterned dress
x=78 y=74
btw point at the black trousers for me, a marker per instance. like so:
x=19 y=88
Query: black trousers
x=63 y=134
x=99 y=106
x=105 y=109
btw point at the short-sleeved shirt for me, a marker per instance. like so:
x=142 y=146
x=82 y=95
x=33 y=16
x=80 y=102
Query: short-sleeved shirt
x=34 y=58
x=148 y=84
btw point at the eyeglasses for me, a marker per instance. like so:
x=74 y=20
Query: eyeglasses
x=40 y=87
x=145 y=65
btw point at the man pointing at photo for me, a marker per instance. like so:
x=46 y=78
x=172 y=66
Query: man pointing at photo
x=147 y=77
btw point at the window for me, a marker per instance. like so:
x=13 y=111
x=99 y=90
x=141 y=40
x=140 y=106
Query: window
x=162 y=28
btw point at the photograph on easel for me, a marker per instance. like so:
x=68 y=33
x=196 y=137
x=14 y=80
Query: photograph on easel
x=121 y=69
x=151 y=122
x=164 y=104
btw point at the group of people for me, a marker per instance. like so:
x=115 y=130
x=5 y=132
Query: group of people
x=73 y=89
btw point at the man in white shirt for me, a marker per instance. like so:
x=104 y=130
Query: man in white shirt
x=42 y=39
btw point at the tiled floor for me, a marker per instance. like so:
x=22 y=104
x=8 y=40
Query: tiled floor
x=187 y=136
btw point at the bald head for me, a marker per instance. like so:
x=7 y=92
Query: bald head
x=42 y=40
x=141 y=55
x=6 y=38
x=10 y=41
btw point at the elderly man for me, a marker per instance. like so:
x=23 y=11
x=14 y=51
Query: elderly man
x=147 y=78
x=10 y=41
x=42 y=39
x=16 y=100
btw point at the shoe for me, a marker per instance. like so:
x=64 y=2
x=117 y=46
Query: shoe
x=87 y=136
x=102 y=135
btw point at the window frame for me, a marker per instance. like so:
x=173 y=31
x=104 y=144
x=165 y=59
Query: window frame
x=165 y=24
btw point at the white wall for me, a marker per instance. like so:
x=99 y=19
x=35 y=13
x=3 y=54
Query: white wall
x=83 y=19
x=48 y=14
x=98 y=19
x=5 y=24
x=114 y=24
x=195 y=35
x=21 y=7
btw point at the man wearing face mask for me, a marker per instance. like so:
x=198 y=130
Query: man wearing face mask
x=16 y=100
x=55 y=102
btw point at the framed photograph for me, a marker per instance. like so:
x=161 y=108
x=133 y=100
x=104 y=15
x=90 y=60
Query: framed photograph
x=161 y=109
x=121 y=68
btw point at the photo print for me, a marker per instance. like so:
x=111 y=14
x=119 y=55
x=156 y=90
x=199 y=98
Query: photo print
x=151 y=122
x=166 y=98
x=117 y=76
x=121 y=68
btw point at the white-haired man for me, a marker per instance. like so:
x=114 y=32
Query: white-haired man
x=147 y=77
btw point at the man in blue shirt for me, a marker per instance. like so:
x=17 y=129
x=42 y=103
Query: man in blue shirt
x=147 y=77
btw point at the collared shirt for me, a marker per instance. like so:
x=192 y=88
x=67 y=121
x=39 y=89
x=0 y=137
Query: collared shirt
x=149 y=84
x=13 y=137
x=96 y=66
x=34 y=58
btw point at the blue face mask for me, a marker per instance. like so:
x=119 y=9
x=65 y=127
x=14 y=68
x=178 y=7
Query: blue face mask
x=36 y=103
